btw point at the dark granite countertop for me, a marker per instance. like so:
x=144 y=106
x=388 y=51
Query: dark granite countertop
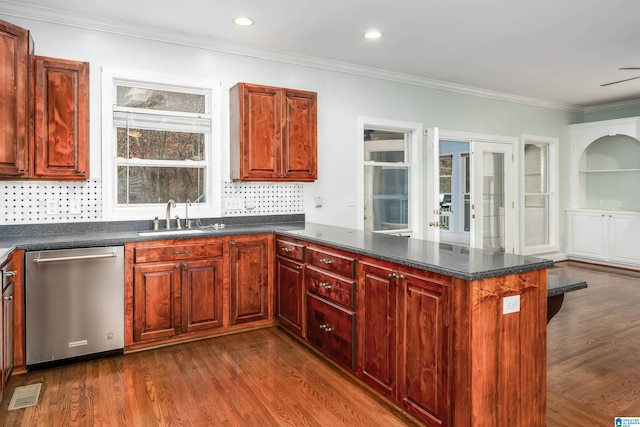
x=559 y=285
x=451 y=260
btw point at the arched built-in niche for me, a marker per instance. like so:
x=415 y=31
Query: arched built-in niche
x=605 y=165
x=609 y=174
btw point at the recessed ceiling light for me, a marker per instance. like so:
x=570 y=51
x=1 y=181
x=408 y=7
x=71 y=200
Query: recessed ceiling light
x=374 y=34
x=243 y=22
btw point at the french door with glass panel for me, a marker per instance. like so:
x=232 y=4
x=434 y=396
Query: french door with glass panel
x=492 y=202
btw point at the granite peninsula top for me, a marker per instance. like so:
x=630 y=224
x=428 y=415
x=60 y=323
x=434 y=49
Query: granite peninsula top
x=451 y=260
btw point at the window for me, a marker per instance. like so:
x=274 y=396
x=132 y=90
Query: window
x=446 y=175
x=159 y=143
x=540 y=195
x=390 y=177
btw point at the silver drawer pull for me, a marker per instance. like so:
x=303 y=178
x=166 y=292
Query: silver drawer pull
x=325 y=261
x=9 y=273
x=287 y=250
x=185 y=252
x=325 y=285
x=326 y=328
x=9 y=298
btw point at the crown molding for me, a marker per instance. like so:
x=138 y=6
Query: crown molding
x=95 y=23
x=613 y=106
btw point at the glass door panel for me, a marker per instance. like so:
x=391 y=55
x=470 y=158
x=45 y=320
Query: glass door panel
x=491 y=205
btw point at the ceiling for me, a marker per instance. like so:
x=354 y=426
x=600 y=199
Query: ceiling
x=554 y=51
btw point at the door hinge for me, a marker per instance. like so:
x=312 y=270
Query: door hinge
x=513 y=205
x=513 y=157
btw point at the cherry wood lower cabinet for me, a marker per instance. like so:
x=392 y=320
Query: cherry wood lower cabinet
x=424 y=347
x=289 y=285
x=202 y=295
x=250 y=287
x=156 y=301
x=174 y=288
x=377 y=326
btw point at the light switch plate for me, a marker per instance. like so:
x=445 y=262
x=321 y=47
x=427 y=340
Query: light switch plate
x=75 y=206
x=511 y=304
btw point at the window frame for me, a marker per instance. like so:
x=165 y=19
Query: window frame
x=414 y=164
x=213 y=144
x=552 y=144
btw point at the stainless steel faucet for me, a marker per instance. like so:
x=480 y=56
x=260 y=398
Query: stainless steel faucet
x=170 y=204
x=187 y=223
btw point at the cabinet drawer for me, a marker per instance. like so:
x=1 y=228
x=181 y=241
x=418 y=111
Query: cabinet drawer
x=331 y=261
x=178 y=252
x=329 y=286
x=290 y=249
x=331 y=329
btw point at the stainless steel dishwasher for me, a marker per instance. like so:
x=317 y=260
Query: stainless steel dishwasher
x=74 y=304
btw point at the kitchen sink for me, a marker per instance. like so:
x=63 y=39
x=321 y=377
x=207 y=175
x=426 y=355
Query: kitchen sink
x=170 y=232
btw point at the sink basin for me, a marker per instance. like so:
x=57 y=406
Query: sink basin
x=170 y=232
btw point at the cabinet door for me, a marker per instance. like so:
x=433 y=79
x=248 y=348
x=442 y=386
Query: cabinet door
x=249 y=280
x=256 y=126
x=14 y=111
x=377 y=327
x=299 y=140
x=156 y=301
x=586 y=234
x=624 y=231
x=423 y=383
x=61 y=119
x=201 y=295
x=289 y=293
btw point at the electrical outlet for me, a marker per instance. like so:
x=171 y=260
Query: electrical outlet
x=351 y=201
x=51 y=206
x=511 y=304
x=250 y=203
x=318 y=201
x=233 y=203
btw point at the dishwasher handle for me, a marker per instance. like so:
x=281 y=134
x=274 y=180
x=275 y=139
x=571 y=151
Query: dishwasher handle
x=74 y=258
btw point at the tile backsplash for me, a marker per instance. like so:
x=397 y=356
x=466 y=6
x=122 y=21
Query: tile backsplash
x=33 y=202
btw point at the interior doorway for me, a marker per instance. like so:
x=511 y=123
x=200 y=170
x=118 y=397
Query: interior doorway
x=474 y=189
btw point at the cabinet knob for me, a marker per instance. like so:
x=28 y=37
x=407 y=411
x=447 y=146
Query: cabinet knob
x=325 y=285
x=299 y=267
x=326 y=328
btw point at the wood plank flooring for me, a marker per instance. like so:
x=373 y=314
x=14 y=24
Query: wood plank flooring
x=258 y=378
x=265 y=378
x=593 y=347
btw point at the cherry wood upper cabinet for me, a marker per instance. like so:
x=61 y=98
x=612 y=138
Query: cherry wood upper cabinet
x=15 y=50
x=61 y=146
x=273 y=134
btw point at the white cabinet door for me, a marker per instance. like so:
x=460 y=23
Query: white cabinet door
x=624 y=238
x=586 y=232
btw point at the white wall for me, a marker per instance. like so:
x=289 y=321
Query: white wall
x=341 y=99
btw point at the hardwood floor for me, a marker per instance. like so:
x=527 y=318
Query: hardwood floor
x=593 y=348
x=259 y=378
x=265 y=378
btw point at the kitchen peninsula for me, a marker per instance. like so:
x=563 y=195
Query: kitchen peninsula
x=424 y=324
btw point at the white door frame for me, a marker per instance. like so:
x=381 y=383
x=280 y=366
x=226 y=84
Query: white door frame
x=512 y=235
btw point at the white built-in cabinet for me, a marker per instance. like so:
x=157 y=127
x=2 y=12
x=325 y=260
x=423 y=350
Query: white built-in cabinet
x=603 y=223
x=604 y=236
